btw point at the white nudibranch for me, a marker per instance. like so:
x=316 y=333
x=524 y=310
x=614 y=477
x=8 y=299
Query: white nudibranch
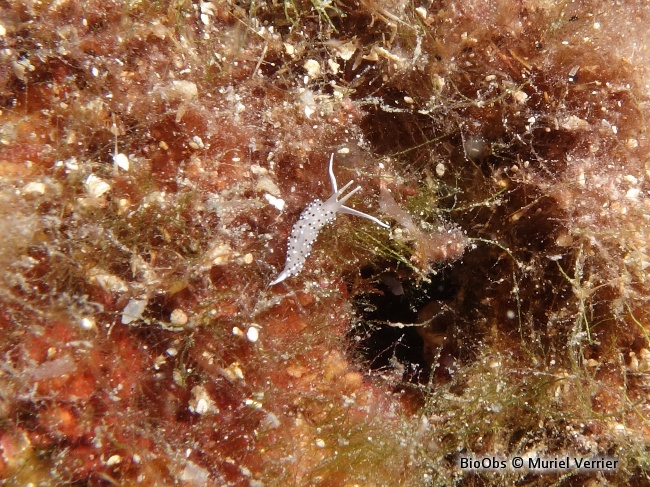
x=314 y=217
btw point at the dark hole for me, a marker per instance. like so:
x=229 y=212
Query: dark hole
x=379 y=340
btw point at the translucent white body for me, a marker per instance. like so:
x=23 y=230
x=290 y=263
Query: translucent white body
x=313 y=218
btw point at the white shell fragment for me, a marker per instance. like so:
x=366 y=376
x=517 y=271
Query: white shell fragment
x=87 y=323
x=178 y=317
x=201 y=402
x=196 y=143
x=277 y=203
x=314 y=217
x=312 y=67
x=113 y=460
x=108 y=282
x=194 y=475
x=95 y=186
x=121 y=161
x=34 y=188
x=252 y=334
x=133 y=310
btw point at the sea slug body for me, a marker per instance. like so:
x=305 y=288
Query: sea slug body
x=313 y=218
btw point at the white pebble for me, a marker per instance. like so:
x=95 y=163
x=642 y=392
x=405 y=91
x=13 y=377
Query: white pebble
x=631 y=179
x=178 y=317
x=196 y=143
x=96 y=187
x=133 y=310
x=277 y=203
x=87 y=323
x=252 y=334
x=34 y=187
x=114 y=460
x=121 y=161
x=312 y=67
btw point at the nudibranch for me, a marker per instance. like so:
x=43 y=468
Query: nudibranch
x=313 y=218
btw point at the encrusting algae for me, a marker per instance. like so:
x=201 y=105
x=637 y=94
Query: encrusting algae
x=154 y=157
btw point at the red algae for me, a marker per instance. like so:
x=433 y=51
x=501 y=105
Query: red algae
x=154 y=158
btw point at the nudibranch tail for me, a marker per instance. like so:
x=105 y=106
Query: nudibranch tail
x=283 y=275
x=313 y=218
